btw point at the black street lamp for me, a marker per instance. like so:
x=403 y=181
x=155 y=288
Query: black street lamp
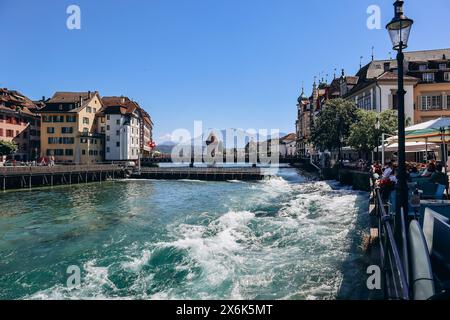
x=399 y=30
x=377 y=134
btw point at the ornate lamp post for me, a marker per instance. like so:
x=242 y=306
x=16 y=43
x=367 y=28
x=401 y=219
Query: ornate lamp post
x=399 y=30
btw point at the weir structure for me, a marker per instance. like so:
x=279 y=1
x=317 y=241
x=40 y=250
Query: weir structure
x=207 y=174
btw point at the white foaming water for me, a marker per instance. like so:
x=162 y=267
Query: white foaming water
x=296 y=252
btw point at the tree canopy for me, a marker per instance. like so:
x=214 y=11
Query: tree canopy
x=364 y=136
x=332 y=126
x=7 y=148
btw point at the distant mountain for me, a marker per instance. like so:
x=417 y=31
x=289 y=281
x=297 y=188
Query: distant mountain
x=166 y=147
x=244 y=138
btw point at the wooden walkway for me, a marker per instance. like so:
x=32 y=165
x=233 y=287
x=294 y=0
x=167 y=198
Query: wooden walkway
x=29 y=177
x=208 y=174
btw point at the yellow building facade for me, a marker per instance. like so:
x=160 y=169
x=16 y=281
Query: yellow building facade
x=432 y=100
x=70 y=132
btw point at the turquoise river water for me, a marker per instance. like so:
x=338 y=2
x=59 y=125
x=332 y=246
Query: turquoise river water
x=284 y=238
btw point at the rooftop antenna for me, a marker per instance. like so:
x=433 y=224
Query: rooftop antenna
x=390 y=55
x=373 y=54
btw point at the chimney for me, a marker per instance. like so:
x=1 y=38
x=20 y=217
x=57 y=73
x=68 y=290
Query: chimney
x=43 y=98
x=81 y=100
x=89 y=95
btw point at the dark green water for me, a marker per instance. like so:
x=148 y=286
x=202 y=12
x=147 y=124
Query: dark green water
x=286 y=238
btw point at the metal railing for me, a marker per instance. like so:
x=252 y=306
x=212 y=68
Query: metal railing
x=393 y=261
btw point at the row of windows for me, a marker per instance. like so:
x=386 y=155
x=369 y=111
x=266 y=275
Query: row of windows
x=434 y=102
x=92 y=141
x=430 y=77
x=59 y=152
x=17 y=121
x=64 y=130
x=89 y=110
x=424 y=67
x=92 y=152
x=69 y=152
x=59 y=119
x=365 y=103
x=10 y=133
x=61 y=140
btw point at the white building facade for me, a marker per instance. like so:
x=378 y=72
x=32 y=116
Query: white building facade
x=122 y=130
x=376 y=89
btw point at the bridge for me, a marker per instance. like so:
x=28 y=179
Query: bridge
x=168 y=159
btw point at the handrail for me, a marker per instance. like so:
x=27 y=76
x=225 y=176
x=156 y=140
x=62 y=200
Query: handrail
x=389 y=251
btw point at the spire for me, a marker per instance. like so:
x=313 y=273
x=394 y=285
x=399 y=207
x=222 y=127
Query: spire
x=302 y=95
x=373 y=53
x=360 y=61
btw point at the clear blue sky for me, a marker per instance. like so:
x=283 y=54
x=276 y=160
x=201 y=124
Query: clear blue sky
x=230 y=63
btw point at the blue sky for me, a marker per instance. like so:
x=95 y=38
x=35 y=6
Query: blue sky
x=229 y=63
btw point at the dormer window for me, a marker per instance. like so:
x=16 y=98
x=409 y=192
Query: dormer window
x=423 y=67
x=442 y=66
x=387 y=66
x=428 y=77
x=447 y=76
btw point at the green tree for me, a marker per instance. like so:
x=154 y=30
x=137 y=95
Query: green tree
x=364 y=135
x=332 y=126
x=7 y=148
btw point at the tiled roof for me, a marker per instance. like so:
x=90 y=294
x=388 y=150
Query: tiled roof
x=123 y=105
x=71 y=97
x=72 y=102
x=12 y=100
x=389 y=75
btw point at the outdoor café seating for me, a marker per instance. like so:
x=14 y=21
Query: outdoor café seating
x=436 y=229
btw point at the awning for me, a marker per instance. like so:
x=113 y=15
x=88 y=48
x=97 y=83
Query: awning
x=429 y=131
x=410 y=147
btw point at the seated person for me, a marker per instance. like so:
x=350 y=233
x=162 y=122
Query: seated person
x=430 y=170
x=439 y=177
x=414 y=173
